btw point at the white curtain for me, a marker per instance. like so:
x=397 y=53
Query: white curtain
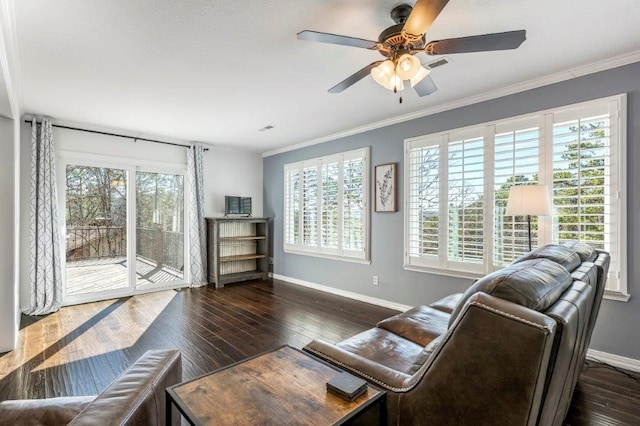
x=45 y=272
x=197 y=225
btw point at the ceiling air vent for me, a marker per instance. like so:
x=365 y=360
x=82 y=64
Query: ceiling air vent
x=440 y=62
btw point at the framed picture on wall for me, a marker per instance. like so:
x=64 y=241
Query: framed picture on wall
x=385 y=193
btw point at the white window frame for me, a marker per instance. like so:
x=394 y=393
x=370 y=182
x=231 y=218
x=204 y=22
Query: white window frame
x=317 y=249
x=616 y=288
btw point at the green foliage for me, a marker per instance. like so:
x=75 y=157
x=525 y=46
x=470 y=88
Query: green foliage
x=579 y=185
x=96 y=196
x=159 y=201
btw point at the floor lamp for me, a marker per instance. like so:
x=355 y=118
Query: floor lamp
x=528 y=200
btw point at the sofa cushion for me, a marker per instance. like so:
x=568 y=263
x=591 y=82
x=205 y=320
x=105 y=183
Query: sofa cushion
x=421 y=324
x=383 y=347
x=559 y=254
x=535 y=284
x=586 y=252
x=425 y=354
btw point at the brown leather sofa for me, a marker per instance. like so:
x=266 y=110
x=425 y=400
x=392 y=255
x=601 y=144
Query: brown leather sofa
x=506 y=352
x=136 y=397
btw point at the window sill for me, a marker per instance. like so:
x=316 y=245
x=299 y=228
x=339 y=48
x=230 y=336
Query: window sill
x=329 y=256
x=444 y=272
x=608 y=294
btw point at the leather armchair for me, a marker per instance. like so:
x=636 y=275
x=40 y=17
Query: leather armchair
x=136 y=397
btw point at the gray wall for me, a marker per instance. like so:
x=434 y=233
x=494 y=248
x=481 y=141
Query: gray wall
x=617 y=330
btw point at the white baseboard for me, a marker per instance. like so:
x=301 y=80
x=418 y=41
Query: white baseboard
x=614 y=360
x=348 y=294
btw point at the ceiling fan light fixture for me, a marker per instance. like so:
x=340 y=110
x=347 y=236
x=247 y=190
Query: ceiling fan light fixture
x=396 y=83
x=420 y=75
x=408 y=66
x=384 y=73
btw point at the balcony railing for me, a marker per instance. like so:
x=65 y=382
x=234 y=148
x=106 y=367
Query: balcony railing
x=164 y=248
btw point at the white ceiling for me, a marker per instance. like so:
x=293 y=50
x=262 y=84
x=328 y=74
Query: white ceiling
x=217 y=71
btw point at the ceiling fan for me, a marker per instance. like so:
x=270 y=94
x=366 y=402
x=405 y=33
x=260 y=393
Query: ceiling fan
x=400 y=42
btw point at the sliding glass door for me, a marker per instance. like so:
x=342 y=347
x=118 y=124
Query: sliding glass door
x=159 y=229
x=124 y=230
x=96 y=230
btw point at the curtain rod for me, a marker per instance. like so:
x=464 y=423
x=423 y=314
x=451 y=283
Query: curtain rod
x=114 y=134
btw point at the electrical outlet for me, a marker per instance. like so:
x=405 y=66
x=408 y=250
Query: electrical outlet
x=375 y=280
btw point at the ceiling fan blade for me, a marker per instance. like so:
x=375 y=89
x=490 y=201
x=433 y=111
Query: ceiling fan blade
x=353 y=78
x=425 y=87
x=336 y=39
x=422 y=16
x=479 y=43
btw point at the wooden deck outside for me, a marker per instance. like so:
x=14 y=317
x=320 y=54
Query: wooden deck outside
x=103 y=274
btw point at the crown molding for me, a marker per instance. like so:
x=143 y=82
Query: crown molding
x=569 y=74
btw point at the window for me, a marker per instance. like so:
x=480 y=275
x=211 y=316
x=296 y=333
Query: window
x=325 y=207
x=457 y=184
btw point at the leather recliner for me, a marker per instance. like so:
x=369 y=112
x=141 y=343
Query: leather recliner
x=507 y=351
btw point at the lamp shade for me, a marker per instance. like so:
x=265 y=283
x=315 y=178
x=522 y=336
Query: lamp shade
x=528 y=200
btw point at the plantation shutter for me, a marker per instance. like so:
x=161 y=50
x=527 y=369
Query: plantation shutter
x=325 y=205
x=310 y=205
x=457 y=184
x=330 y=206
x=585 y=188
x=354 y=205
x=465 y=202
x=516 y=161
x=423 y=202
x=292 y=195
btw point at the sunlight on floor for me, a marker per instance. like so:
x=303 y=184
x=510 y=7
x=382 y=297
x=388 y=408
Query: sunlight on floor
x=93 y=331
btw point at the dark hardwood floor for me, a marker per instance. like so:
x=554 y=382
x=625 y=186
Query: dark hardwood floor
x=81 y=349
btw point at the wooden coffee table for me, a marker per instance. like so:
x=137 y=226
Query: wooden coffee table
x=285 y=386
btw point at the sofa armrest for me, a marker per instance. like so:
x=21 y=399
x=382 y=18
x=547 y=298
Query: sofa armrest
x=420 y=325
x=490 y=367
x=137 y=396
x=49 y=411
x=379 y=374
x=447 y=304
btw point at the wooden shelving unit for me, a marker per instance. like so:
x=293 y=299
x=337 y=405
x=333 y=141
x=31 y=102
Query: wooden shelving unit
x=237 y=249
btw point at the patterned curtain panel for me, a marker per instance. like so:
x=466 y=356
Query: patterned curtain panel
x=45 y=276
x=197 y=226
